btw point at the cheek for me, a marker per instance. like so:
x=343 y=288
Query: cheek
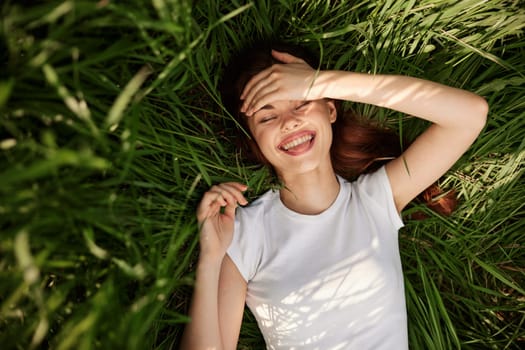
x=263 y=140
x=256 y=134
x=261 y=147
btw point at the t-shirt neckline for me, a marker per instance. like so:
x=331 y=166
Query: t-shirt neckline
x=335 y=204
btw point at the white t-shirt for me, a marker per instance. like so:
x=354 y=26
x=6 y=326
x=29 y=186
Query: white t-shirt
x=327 y=281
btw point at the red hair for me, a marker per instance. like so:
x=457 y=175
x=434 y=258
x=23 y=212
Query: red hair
x=358 y=146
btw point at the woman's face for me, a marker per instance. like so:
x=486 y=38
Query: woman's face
x=294 y=136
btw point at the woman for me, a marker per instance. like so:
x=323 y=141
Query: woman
x=318 y=261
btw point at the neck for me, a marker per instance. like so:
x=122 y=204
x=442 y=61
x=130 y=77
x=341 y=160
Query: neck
x=309 y=193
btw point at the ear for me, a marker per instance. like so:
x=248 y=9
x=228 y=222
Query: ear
x=330 y=104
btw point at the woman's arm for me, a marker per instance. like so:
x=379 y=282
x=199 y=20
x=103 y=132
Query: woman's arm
x=220 y=290
x=217 y=307
x=457 y=115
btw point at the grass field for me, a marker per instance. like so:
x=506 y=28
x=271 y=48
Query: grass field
x=111 y=128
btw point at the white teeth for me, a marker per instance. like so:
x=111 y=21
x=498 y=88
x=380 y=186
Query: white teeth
x=297 y=142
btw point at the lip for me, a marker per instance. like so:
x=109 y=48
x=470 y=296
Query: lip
x=296 y=136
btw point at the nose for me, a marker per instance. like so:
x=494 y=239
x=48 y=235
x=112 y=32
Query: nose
x=290 y=121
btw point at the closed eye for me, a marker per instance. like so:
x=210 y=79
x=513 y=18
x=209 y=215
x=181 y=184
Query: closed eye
x=302 y=105
x=267 y=119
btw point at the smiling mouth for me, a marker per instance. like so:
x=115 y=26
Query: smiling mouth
x=296 y=143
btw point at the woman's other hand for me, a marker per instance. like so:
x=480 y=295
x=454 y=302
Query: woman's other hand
x=216 y=312
x=216 y=224
x=292 y=80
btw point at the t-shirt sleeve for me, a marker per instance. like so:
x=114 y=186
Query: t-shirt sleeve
x=246 y=246
x=376 y=190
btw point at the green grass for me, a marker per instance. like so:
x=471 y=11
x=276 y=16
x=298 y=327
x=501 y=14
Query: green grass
x=111 y=129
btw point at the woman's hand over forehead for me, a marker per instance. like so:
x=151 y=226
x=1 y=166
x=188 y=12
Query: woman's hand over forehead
x=292 y=80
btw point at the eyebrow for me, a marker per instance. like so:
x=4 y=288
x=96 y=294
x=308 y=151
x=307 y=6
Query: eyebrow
x=264 y=107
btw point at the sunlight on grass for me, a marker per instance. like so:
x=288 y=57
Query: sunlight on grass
x=111 y=128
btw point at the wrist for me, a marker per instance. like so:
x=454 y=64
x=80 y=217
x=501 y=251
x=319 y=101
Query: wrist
x=350 y=86
x=321 y=87
x=332 y=84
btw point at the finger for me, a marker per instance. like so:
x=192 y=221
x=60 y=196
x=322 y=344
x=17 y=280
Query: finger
x=233 y=193
x=214 y=194
x=221 y=195
x=233 y=198
x=213 y=199
x=206 y=211
x=217 y=197
x=229 y=211
x=286 y=57
x=262 y=84
x=254 y=80
x=264 y=96
x=257 y=102
x=231 y=204
x=212 y=202
x=239 y=186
